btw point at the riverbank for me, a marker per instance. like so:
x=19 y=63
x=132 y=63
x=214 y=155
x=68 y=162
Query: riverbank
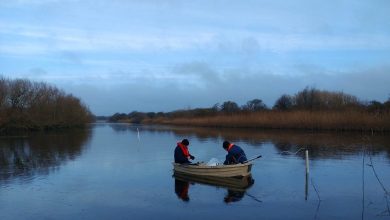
x=301 y=120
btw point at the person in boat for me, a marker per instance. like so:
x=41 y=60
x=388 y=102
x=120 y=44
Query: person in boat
x=182 y=154
x=235 y=153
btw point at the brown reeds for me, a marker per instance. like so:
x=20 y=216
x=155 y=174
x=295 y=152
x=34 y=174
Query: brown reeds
x=309 y=109
x=299 y=119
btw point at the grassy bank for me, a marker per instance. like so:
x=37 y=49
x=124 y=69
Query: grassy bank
x=302 y=119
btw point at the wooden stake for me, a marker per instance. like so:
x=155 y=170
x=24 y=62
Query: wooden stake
x=307 y=162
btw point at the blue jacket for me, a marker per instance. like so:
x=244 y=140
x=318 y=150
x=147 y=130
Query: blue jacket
x=179 y=156
x=235 y=155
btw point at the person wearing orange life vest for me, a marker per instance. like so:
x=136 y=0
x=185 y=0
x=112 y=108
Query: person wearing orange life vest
x=182 y=155
x=235 y=153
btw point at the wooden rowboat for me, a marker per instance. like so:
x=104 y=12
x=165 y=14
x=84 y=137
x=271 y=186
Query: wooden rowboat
x=202 y=169
x=232 y=183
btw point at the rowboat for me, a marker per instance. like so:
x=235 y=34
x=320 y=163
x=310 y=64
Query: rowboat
x=231 y=183
x=202 y=169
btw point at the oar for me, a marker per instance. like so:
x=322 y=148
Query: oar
x=257 y=157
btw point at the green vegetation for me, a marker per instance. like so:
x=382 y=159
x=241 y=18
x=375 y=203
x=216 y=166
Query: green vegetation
x=310 y=108
x=26 y=105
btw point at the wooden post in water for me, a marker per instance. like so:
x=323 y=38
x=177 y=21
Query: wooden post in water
x=307 y=174
x=307 y=162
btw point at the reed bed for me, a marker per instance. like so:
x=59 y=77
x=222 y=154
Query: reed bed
x=309 y=120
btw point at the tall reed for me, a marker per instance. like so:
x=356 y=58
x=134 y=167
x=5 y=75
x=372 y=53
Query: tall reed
x=299 y=119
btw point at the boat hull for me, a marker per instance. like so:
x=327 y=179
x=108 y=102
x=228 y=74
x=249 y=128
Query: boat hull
x=236 y=170
x=232 y=183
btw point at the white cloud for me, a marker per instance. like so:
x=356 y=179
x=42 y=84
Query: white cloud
x=73 y=39
x=23 y=49
x=32 y=2
x=31 y=39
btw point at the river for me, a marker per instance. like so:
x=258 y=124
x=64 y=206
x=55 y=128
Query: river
x=122 y=171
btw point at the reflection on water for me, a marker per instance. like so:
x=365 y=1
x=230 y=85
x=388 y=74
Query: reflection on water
x=321 y=145
x=39 y=154
x=236 y=187
x=181 y=189
x=233 y=196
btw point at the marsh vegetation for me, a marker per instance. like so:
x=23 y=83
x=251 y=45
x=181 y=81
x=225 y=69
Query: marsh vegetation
x=309 y=109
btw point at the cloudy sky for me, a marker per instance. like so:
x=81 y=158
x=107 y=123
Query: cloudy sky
x=163 y=55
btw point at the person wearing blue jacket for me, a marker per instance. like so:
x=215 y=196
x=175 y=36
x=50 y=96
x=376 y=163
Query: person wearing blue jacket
x=182 y=154
x=235 y=153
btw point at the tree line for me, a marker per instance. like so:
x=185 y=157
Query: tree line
x=308 y=99
x=27 y=105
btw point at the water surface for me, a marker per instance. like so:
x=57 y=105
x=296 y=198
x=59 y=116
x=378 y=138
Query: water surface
x=121 y=171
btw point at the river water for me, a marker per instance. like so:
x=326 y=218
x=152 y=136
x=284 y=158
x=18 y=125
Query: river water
x=121 y=171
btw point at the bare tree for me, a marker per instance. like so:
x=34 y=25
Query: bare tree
x=285 y=102
x=254 y=105
x=30 y=105
x=229 y=107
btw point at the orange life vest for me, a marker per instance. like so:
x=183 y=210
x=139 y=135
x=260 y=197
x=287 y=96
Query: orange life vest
x=230 y=146
x=184 y=149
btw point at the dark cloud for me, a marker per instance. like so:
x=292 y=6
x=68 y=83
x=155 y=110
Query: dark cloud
x=201 y=70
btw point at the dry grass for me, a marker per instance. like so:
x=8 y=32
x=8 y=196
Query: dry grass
x=317 y=120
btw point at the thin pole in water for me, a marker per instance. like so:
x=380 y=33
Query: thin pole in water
x=307 y=162
x=307 y=174
x=138 y=135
